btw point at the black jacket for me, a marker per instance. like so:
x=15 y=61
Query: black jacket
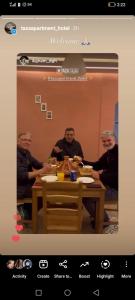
x=25 y=163
x=108 y=162
x=69 y=149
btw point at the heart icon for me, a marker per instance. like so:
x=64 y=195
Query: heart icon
x=105 y=264
x=15 y=238
x=19 y=227
x=17 y=217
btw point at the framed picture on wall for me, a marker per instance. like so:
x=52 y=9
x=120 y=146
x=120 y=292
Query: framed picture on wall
x=43 y=106
x=37 y=98
x=49 y=115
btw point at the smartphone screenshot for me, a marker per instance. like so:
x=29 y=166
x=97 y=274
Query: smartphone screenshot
x=67 y=149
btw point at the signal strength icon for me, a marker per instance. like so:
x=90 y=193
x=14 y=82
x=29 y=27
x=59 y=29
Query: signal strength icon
x=11 y=4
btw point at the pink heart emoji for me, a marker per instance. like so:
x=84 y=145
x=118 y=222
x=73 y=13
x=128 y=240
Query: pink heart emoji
x=17 y=217
x=19 y=227
x=15 y=238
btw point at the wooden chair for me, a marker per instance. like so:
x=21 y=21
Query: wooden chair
x=21 y=202
x=63 y=209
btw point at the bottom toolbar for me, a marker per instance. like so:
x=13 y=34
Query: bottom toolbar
x=69 y=276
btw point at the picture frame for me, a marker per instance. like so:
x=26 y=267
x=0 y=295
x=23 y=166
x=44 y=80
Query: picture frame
x=49 y=115
x=37 y=98
x=43 y=106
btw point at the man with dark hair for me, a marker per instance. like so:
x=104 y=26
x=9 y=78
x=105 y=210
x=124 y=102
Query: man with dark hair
x=105 y=169
x=67 y=146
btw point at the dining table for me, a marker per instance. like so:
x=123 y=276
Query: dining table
x=92 y=190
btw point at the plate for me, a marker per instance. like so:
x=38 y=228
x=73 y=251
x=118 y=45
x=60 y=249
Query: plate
x=85 y=179
x=87 y=167
x=49 y=178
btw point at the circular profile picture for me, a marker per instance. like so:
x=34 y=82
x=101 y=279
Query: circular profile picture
x=10 y=264
x=27 y=263
x=24 y=60
x=10 y=28
x=19 y=264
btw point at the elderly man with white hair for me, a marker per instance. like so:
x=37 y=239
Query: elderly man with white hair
x=105 y=169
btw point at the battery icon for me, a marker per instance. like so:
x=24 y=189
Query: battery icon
x=111 y=4
x=19 y=4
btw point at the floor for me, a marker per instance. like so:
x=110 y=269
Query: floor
x=86 y=226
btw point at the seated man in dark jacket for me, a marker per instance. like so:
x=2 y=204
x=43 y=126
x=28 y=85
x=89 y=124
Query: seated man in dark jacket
x=28 y=167
x=67 y=146
x=105 y=169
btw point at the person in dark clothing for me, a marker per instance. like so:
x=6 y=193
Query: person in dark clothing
x=28 y=168
x=67 y=146
x=105 y=169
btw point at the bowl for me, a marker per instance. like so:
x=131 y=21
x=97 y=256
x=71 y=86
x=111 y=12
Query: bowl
x=86 y=170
